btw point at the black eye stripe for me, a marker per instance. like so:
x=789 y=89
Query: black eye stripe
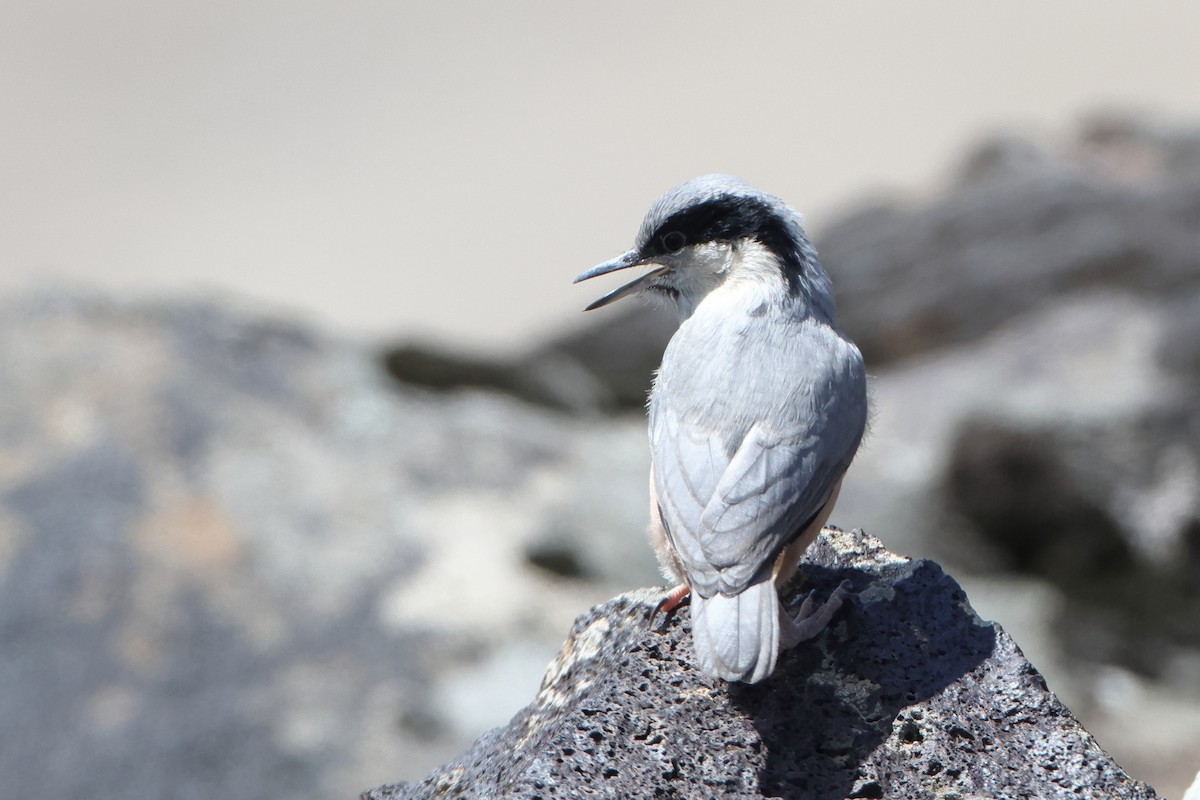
x=722 y=219
x=729 y=218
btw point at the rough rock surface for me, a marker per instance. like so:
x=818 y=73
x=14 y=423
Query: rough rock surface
x=907 y=694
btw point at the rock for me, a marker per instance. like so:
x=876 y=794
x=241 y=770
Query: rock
x=605 y=365
x=1140 y=149
x=1011 y=483
x=235 y=560
x=1180 y=352
x=1120 y=427
x=1085 y=364
x=1107 y=513
x=907 y=694
x=1058 y=444
x=1024 y=226
x=620 y=350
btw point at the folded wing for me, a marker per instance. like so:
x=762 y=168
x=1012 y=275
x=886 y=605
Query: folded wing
x=730 y=507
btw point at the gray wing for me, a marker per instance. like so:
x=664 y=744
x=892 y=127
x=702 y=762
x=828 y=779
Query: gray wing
x=730 y=508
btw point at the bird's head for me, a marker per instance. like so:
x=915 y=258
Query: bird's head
x=715 y=229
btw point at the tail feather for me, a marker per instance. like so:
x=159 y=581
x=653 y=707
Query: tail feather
x=738 y=638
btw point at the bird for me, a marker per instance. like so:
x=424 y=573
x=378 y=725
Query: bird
x=755 y=414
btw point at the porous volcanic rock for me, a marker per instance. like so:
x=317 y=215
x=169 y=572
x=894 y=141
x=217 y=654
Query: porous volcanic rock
x=907 y=694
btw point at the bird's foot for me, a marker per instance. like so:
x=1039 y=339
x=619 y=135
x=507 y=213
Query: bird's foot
x=675 y=598
x=811 y=621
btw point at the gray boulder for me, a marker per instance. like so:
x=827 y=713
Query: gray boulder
x=1107 y=513
x=603 y=366
x=1023 y=226
x=907 y=694
x=235 y=561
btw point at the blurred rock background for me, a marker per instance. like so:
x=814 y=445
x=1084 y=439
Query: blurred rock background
x=307 y=459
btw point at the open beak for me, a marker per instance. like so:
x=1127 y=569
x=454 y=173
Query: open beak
x=631 y=259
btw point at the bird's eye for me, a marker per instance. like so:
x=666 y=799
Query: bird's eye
x=673 y=242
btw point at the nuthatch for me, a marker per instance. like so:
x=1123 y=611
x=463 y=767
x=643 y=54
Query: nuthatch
x=756 y=412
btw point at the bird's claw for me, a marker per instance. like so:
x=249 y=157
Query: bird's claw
x=673 y=599
x=810 y=621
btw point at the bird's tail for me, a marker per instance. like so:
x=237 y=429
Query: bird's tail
x=738 y=638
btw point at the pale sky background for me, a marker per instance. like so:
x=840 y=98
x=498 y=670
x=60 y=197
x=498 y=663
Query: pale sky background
x=444 y=169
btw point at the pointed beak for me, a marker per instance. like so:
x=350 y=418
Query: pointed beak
x=631 y=259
